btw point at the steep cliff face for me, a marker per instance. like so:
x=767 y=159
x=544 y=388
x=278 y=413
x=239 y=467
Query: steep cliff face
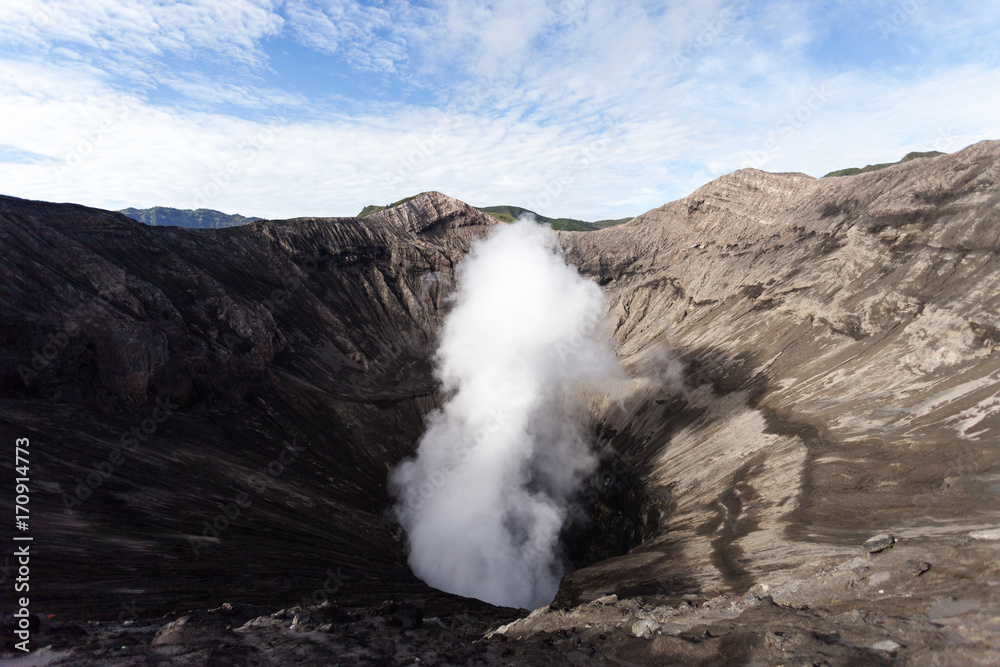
x=841 y=368
x=213 y=414
x=164 y=373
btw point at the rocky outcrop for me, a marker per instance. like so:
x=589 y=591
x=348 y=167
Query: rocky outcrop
x=840 y=373
x=434 y=211
x=812 y=364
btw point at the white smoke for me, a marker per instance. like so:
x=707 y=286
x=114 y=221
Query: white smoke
x=490 y=488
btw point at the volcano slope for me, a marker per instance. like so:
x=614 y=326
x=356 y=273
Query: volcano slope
x=812 y=363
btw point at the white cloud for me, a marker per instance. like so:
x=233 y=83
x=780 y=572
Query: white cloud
x=202 y=90
x=869 y=121
x=146 y=27
x=369 y=37
x=572 y=107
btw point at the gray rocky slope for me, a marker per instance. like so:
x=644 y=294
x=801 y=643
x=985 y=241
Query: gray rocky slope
x=812 y=363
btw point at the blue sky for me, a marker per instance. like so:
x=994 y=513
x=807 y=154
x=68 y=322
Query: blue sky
x=579 y=108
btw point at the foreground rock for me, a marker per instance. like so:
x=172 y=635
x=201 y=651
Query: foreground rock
x=831 y=616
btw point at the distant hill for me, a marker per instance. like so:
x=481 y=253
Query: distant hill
x=512 y=213
x=176 y=217
x=851 y=171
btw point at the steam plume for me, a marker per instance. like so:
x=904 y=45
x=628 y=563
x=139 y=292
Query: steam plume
x=485 y=498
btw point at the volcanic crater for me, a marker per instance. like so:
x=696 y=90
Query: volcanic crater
x=810 y=364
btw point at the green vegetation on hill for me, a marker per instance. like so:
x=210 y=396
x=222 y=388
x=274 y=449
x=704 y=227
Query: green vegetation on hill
x=571 y=225
x=202 y=218
x=507 y=213
x=368 y=210
x=851 y=171
x=373 y=208
x=512 y=213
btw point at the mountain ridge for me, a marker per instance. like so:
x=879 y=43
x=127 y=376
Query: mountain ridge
x=506 y=213
x=202 y=218
x=212 y=219
x=851 y=171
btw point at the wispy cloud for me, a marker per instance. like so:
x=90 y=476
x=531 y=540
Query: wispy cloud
x=369 y=37
x=137 y=27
